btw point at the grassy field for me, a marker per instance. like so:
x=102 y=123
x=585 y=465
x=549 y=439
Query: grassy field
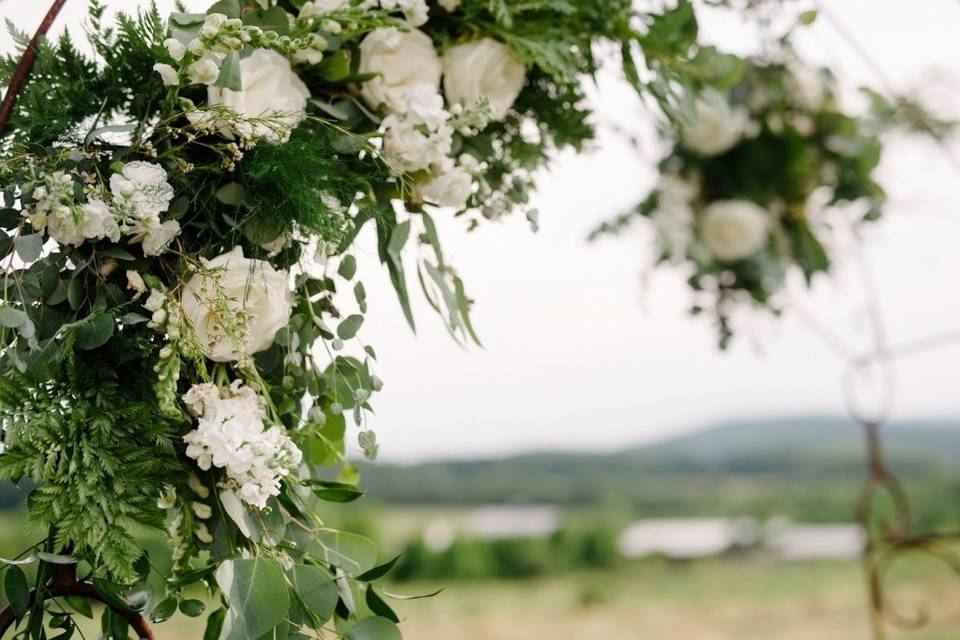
x=709 y=600
x=722 y=599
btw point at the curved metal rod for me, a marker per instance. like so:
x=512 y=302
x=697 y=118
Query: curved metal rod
x=22 y=72
x=65 y=584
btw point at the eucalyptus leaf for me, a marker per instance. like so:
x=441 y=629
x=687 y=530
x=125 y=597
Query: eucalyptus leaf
x=232 y=194
x=353 y=553
x=229 y=77
x=12 y=318
x=349 y=326
x=257 y=593
x=28 y=247
x=239 y=514
x=315 y=588
x=94 y=331
x=16 y=590
x=377 y=628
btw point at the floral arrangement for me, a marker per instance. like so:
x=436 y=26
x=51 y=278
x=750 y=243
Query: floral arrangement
x=763 y=169
x=181 y=314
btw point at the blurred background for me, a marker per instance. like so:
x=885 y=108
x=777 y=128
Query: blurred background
x=599 y=470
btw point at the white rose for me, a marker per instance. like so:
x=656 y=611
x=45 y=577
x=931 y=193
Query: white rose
x=716 y=126
x=483 y=68
x=403 y=60
x=734 y=229
x=175 y=48
x=168 y=74
x=254 y=297
x=206 y=70
x=452 y=188
x=271 y=90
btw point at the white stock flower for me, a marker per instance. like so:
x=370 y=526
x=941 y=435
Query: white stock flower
x=135 y=282
x=236 y=305
x=450 y=5
x=231 y=435
x=716 y=125
x=319 y=7
x=674 y=218
x=403 y=60
x=806 y=86
x=271 y=91
x=74 y=225
x=734 y=229
x=142 y=188
x=98 y=221
x=154 y=236
x=415 y=11
x=206 y=70
x=168 y=74
x=407 y=147
x=419 y=136
x=450 y=188
x=175 y=48
x=483 y=68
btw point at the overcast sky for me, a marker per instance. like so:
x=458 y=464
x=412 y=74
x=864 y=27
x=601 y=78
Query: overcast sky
x=583 y=352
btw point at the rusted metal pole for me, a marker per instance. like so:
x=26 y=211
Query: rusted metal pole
x=65 y=584
x=22 y=72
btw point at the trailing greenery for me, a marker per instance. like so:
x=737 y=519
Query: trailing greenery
x=85 y=438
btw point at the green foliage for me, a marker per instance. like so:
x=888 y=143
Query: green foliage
x=97 y=448
x=289 y=185
x=66 y=90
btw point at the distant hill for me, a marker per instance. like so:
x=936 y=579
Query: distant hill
x=808 y=467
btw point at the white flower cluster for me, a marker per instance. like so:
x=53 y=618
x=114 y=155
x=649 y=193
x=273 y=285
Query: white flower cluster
x=231 y=435
x=416 y=12
x=418 y=135
x=139 y=196
x=481 y=81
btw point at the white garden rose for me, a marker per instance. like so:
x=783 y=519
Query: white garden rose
x=734 y=229
x=483 y=68
x=403 y=60
x=236 y=305
x=716 y=126
x=451 y=188
x=271 y=90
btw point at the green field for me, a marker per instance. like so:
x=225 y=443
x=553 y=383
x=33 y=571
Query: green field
x=708 y=600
